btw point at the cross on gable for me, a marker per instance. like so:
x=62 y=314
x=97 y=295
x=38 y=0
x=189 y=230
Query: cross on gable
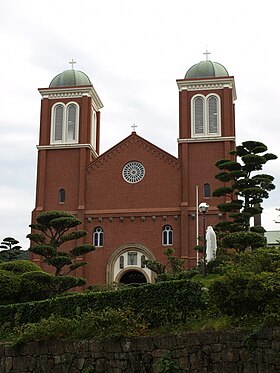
x=207 y=53
x=72 y=63
x=133 y=127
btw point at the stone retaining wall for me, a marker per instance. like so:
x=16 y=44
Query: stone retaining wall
x=200 y=352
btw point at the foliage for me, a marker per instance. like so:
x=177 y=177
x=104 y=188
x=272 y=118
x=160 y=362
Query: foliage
x=169 y=276
x=217 y=264
x=173 y=269
x=20 y=266
x=10 y=287
x=159 y=303
x=40 y=285
x=10 y=250
x=24 y=281
x=261 y=260
x=242 y=293
x=53 y=227
x=93 y=325
x=240 y=241
x=245 y=190
x=168 y=365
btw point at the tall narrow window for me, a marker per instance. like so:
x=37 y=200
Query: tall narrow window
x=58 y=123
x=121 y=262
x=98 y=237
x=198 y=116
x=93 y=130
x=167 y=235
x=212 y=115
x=71 y=122
x=206 y=189
x=143 y=258
x=61 y=195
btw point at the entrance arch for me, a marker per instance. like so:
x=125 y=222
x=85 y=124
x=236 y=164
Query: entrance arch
x=132 y=277
x=129 y=258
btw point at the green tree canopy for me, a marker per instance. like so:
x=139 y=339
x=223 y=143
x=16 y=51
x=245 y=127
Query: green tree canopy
x=55 y=229
x=10 y=250
x=245 y=190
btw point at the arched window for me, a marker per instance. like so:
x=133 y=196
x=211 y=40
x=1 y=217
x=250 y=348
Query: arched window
x=64 y=128
x=198 y=116
x=206 y=119
x=58 y=123
x=61 y=195
x=98 y=237
x=167 y=235
x=212 y=106
x=206 y=189
x=71 y=122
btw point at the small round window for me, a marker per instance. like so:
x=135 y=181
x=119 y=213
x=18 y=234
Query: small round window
x=133 y=172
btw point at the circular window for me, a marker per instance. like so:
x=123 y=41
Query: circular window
x=133 y=172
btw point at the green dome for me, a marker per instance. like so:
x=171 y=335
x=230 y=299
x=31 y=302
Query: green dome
x=206 y=69
x=70 y=78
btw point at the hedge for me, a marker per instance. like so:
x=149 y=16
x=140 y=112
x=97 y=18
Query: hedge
x=158 y=303
x=20 y=266
x=245 y=293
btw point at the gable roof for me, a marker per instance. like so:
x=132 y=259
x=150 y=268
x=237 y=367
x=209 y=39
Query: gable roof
x=141 y=142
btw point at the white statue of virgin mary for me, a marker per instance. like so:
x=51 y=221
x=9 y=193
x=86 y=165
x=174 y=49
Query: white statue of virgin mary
x=211 y=243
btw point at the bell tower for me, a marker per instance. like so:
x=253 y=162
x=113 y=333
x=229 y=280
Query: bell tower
x=69 y=140
x=206 y=134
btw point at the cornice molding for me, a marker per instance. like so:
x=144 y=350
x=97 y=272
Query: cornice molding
x=165 y=157
x=205 y=139
x=67 y=146
x=207 y=84
x=72 y=92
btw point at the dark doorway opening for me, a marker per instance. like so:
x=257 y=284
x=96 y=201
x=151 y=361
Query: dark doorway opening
x=133 y=277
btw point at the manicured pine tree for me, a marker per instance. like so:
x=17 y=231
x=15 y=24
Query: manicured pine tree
x=10 y=250
x=56 y=228
x=245 y=189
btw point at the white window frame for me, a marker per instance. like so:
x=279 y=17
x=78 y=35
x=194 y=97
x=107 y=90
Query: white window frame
x=64 y=139
x=206 y=132
x=99 y=232
x=169 y=242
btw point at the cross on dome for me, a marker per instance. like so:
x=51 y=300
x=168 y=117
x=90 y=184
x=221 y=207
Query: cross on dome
x=133 y=127
x=72 y=63
x=206 y=53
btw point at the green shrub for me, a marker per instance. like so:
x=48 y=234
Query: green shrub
x=218 y=264
x=93 y=325
x=262 y=260
x=42 y=285
x=20 y=266
x=242 y=293
x=35 y=286
x=169 y=276
x=9 y=287
x=158 y=303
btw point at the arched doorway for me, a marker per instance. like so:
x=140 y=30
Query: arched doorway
x=129 y=258
x=133 y=277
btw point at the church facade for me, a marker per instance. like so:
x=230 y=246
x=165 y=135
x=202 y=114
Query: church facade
x=135 y=200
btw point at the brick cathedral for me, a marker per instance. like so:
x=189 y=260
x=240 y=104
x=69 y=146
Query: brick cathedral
x=134 y=200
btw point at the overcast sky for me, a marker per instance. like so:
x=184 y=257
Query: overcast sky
x=133 y=51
